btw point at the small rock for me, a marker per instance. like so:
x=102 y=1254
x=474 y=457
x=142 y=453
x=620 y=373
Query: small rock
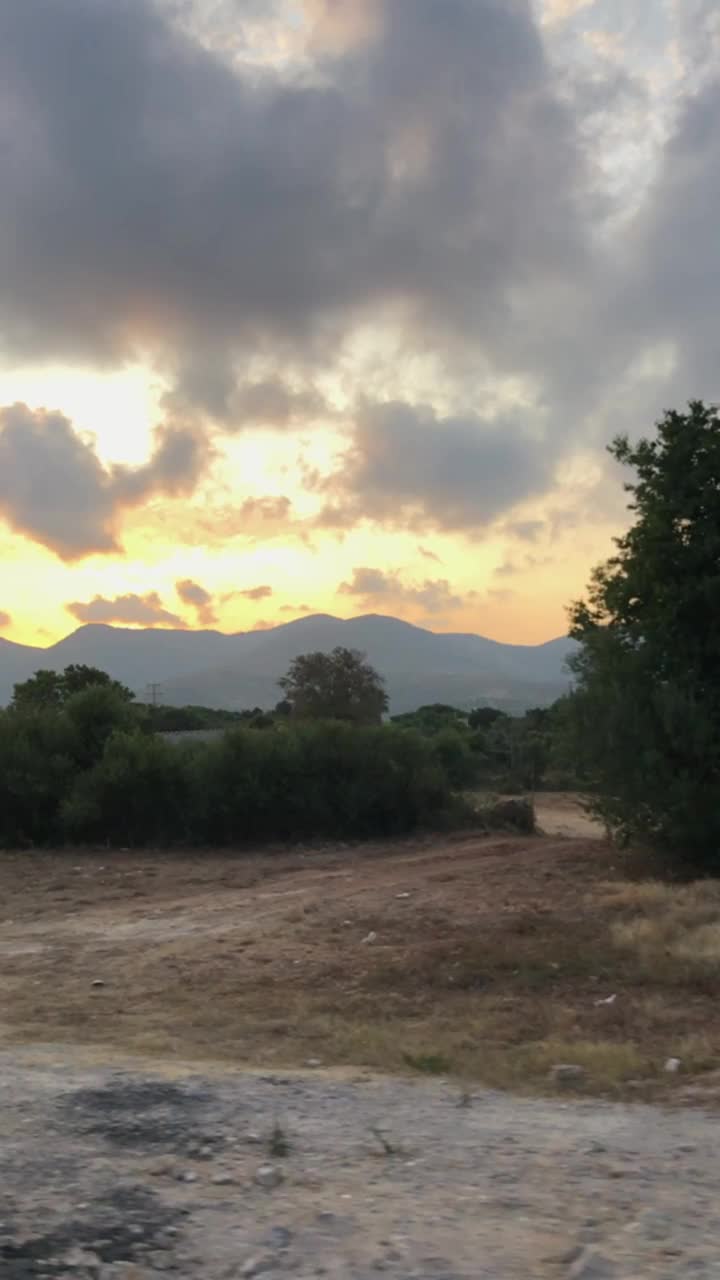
x=402 y=895
x=673 y=1065
x=124 y=1271
x=206 y=1153
x=254 y=1138
x=652 y=1225
x=97 y=982
x=255 y=1266
x=269 y=1176
x=78 y=1257
x=592 y=1265
x=159 y=1261
x=223 y=1179
x=567 y=1074
x=280 y=1237
x=370 y=937
x=313 y=1062
x=186 y=1175
x=607 y=1000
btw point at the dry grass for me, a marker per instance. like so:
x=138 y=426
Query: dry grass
x=498 y=965
x=669 y=925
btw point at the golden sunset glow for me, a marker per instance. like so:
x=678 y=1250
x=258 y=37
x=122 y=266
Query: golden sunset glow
x=337 y=313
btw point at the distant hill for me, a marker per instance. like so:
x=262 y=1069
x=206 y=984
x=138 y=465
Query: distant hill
x=209 y=669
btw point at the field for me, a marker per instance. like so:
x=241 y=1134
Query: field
x=483 y=959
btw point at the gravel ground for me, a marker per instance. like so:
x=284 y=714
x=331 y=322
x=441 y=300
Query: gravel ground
x=126 y=1171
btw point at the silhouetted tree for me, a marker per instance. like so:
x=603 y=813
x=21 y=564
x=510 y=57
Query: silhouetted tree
x=648 y=671
x=340 y=685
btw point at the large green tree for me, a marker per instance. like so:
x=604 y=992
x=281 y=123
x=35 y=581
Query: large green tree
x=340 y=685
x=54 y=688
x=647 y=704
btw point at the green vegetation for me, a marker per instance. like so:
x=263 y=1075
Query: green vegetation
x=490 y=750
x=646 y=714
x=53 y=688
x=80 y=760
x=89 y=767
x=334 y=686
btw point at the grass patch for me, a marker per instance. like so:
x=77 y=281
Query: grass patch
x=429 y=1064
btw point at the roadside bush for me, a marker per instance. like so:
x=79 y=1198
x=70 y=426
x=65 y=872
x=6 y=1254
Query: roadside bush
x=90 y=771
x=315 y=779
x=454 y=753
x=38 y=751
x=134 y=794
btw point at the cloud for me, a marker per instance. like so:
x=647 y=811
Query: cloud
x=427 y=554
x=55 y=490
x=414 y=165
x=373 y=585
x=5 y=619
x=249 y=593
x=673 y=281
x=199 y=599
x=512 y=567
x=398 y=185
x=524 y=530
x=269 y=402
x=408 y=467
x=147 y=610
x=561 y=10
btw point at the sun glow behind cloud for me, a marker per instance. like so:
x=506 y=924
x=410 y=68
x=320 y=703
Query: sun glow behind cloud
x=328 y=322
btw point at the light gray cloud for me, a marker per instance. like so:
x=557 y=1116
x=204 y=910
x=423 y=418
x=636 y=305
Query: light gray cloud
x=55 y=490
x=147 y=610
x=199 y=599
x=375 y=585
x=410 y=468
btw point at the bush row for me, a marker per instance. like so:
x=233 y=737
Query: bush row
x=87 y=772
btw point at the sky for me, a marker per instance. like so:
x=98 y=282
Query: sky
x=334 y=305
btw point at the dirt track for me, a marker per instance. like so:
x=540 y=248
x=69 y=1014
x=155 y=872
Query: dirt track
x=156 y=1008
x=112 y=1165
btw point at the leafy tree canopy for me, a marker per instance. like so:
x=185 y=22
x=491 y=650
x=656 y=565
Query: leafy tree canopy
x=648 y=670
x=340 y=685
x=53 y=688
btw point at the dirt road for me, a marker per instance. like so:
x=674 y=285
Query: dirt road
x=119 y=1171
x=158 y=1009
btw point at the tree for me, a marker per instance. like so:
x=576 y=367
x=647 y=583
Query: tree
x=647 y=704
x=484 y=717
x=335 y=686
x=53 y=688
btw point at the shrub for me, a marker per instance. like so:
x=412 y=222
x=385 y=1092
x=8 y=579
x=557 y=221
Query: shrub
x=38 y=750
x=134 y=794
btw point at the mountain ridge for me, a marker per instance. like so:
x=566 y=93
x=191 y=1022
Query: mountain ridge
x=214 y=668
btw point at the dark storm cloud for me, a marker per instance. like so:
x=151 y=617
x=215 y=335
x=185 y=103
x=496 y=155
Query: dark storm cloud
x=674 y=285
x=410 y=468
x=55 y=490
x=421 y=166
x=156 y=200
x=147 y=610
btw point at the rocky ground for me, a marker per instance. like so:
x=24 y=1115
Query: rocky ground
x=125 y=1171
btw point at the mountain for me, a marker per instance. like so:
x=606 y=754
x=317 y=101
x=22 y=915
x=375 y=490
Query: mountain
x=208 y=668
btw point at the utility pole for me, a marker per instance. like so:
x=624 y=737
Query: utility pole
x=154 y=690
